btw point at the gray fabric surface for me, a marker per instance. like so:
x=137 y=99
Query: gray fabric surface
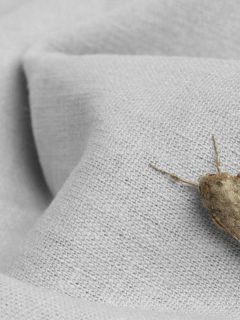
x=90 y=231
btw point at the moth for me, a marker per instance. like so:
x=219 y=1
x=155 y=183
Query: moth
x=220 y=193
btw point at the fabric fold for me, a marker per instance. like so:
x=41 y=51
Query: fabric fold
x=91 y=93
x=117 y=231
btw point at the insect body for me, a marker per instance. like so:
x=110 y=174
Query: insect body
x=220 y=193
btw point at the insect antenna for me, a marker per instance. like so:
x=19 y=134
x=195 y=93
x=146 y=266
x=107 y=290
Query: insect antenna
x=174 y=176
x=217 y=154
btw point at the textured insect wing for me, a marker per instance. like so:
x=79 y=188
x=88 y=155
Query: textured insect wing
x=221 y=195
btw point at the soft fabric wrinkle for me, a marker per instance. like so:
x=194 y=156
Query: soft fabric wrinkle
x=87 y=229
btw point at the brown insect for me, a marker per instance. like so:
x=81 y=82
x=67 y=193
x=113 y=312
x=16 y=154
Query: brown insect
x=220 y=193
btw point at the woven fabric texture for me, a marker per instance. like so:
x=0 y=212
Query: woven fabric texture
x=88 y=229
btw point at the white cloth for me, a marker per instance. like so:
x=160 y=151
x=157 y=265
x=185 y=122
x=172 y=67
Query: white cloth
x=91 y=93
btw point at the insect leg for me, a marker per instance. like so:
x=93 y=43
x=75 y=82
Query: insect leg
x=174 y=176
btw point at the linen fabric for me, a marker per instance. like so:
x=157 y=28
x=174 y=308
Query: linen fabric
x=91 y=93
